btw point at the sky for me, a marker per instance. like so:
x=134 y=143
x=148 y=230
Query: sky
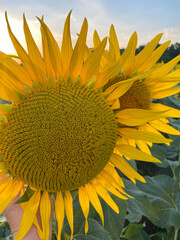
x=146 y=17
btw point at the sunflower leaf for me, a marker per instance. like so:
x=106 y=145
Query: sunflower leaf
x=164 y=194
x=95 y=232
x=140 y=205
x=134 y=231
x=114 y=223
x=26 y=196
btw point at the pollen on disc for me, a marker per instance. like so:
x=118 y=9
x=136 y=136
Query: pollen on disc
x=59 y=137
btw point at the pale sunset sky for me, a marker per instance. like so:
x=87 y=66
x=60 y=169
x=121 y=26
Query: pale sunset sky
x=146 y=17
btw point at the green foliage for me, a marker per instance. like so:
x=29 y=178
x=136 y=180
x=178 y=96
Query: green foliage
x=134 y=231
x=26 y=196
x=5 y=232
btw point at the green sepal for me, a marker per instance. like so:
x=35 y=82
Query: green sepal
x=6 y=107
x=1 y=118
x=26 y=196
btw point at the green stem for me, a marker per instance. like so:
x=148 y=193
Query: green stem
x=176 y=234
x=169 y=233
x=173 y=172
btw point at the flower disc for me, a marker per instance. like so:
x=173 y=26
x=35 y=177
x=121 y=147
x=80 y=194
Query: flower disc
x=59 y=137
x=137 y=96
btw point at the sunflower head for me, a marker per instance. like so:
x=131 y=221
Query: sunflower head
x=60 y=128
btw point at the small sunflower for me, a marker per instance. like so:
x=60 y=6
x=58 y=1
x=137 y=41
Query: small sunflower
x=136 y=86
x=60 y=134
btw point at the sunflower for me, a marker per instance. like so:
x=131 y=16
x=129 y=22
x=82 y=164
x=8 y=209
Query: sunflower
x=60 y=133
x=135 y=88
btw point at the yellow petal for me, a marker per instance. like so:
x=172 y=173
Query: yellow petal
x=163 y=127
x=68 y=202
x=136 y=117
x=124 y=167
x=1 y=164
x=87 y=53
x=119 y=91
x=148 y=128
x=77 y=58
x=46 y=55
x=101 y=191
x=45 y=211
x=170 y=112
x=96 y=39
x=146 y=52
x=159 y=85
x=66 y=48
x=153 y=58
x=174 y=74
x=23 y=205
x=28 y=215
x=59 y=210
x=134 y=153
x=26 y=61
x=53 y=51
x=91 y=65
x=111 y=189
x=128 y=67
x=162 y=71
x=13 y=67
x=116 y=104
x=103 y=77
x=114 y=41
x=93 y=197
x=121 y=83
x=9 y=193
x=111 y=170
x=2 y=173
x=143 y=146
x=7 y=93
x=34 y=53
x=110 y=180
x=84 y=203
x=142 y=135
x=165 y=93
x=5 y=182
x=10 y=80
x=112 y=54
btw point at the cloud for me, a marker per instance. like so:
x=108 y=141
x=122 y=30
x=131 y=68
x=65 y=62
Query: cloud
x=172 y=34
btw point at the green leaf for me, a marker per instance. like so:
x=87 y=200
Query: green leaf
x=177 y=173
x=113 y=222
x=2 y=218
x=164 y=193
x=5 y=232
x=134 y=231
x=26 y=196
x=159 y=236
x=175 y=100
x=95 y=232
x=85 y=237
x=175 y=123
x=79 y=219
x=140 y=205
